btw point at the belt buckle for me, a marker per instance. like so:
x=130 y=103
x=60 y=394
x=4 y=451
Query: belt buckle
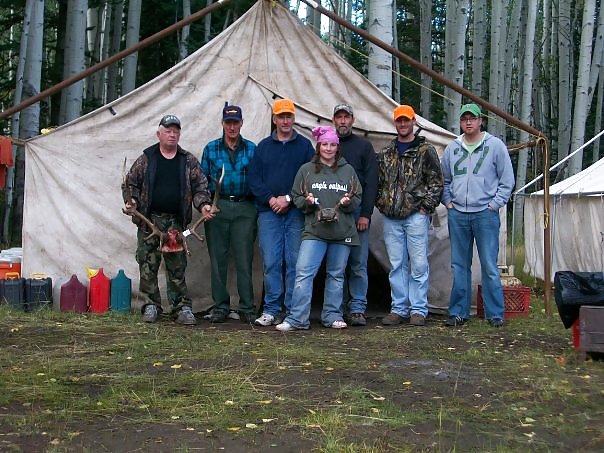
x=233 y=198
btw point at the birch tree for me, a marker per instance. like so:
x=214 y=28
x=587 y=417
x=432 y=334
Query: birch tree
x=75 y=53
x=132 y=37
x=496 y=73
x=379 y=67
x=455 y=55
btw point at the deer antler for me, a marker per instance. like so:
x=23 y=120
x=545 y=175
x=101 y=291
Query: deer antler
x=353 y=184
x=133 y=212
x=214 y=209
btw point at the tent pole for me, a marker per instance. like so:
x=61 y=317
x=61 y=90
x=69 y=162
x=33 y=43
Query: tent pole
x=483 y=103
x=118 y=56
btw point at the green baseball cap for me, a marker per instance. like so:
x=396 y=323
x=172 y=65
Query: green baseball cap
x=470 y=108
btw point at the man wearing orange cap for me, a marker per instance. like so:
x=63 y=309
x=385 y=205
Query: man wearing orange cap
x=280 y=224
x=410 y=185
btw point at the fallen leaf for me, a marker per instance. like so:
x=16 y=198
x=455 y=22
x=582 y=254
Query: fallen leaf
x=265 y=401
x=379 y=398
x=175 y=417
x=234 y=428
x=311 y=411
x=156 y=364
x=268 y=420
x=329 y=368
x=375 y=410
x=529 y=435
x=229 y=402
x=176 y=366
x=529 y=420
x=407 y=383
x=313 y=426
x=251 y=425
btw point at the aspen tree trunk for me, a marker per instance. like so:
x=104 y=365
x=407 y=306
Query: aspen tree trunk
x=425 y=52
x=544 y=89
x=183 y=48
x=313 y=20
x=582 y=98
x=379 y=67
x=564 y=79
x=495 y=68
x=207 y=23
x=132 y=37
x=114 y=47
x=455 y=38
x=479 y=38
x=75 y=54
x=513 y=49
x=525 y=107
x=30 y=117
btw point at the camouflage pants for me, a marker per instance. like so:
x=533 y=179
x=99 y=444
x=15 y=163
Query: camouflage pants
x=148 y=257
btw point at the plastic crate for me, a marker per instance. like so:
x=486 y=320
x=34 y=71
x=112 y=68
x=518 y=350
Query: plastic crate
x=516 y=299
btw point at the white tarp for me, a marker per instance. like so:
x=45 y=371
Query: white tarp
x=72 y=215
x=576 y=224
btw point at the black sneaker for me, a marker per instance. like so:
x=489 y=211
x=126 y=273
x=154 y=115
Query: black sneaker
x=218 y=316
x=357 y=319
x=247 y=318
x=455 y=321
x=496 y=322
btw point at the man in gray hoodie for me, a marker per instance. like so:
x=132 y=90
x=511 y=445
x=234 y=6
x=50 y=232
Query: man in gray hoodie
x=479 y=179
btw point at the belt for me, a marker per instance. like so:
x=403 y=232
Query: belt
x=235 y=198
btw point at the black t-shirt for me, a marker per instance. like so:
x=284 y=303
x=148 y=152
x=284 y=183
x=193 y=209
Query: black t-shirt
x=403 y=147
x=166 y=190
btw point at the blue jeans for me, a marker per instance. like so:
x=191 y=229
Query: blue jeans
x=464 y=229
x=355 y=278
x=309 y=260
x=279 y=238
x=407 y=246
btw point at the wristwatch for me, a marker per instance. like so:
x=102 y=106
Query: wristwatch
x=288 y=198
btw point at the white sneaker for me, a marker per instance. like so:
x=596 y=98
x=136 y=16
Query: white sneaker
x=265 y=320
x=285 y=327
x=339 y=324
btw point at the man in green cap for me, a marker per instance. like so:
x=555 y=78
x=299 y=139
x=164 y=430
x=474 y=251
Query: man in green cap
x=479 y=179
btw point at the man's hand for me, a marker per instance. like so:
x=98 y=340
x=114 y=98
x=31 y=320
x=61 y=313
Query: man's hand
x=207 y=213
x=130 y=205
x=362 y=224
x=279 y=204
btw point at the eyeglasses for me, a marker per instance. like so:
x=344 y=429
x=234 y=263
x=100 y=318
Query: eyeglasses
x=468 y=119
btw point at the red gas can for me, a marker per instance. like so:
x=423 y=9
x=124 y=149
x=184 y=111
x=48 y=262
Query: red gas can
x=100 y=292
x=74 y=296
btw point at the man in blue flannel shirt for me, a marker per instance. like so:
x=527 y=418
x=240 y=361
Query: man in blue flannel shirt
x=234 y=226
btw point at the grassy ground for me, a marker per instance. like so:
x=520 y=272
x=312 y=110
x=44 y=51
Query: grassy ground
x=112 y=383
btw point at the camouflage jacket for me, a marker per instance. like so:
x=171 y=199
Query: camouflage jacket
x=409 y=182
x=141 y=178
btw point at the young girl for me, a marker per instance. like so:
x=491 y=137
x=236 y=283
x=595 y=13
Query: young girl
x=327 y=191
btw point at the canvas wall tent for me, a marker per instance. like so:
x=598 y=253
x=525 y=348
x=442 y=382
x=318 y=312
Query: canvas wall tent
x=576 y=222
x=73 y=216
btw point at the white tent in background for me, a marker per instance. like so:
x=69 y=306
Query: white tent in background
x=576 y=223
x=73 y=203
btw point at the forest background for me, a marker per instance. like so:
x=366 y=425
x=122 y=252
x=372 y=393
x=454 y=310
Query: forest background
x=538 y=60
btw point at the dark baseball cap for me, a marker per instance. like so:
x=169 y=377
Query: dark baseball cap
x=232 y=112
x=170 y=120
x=345 y=107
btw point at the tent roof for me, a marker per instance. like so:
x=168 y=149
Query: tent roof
x=590 y=181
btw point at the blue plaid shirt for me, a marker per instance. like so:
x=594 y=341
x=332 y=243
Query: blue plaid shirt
x=236 y=163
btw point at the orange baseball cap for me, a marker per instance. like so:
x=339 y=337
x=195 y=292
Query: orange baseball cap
x=283 y=106
x=404 y=110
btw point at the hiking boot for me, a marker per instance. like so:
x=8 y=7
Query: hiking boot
x=392 y=319
x=218 y=316
x=339 y=324
x=417 y=320
x=150 y=313
x=283 y=327
x=455 y=321
x=247 y=318
x=265 y=320
x=186 y=316
x=357 y=319
x=496 y=322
